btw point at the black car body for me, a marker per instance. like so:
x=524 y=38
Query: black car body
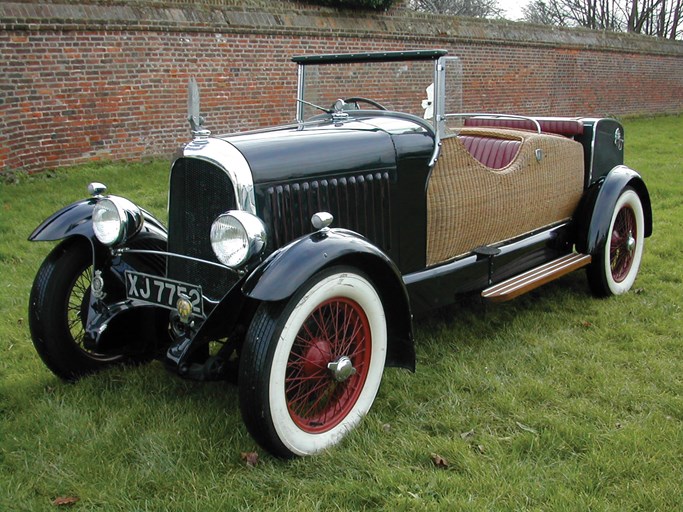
x=303 y=252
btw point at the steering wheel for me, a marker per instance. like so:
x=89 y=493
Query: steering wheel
x=357 y=99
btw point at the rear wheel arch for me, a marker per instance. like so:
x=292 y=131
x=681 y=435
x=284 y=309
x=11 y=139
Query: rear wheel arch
x=594 y=214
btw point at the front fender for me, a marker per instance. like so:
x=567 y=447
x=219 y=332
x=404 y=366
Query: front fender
x=73 y=223
x=76 y=219
x=595 y=212
x=284 y=271
x=287 y=269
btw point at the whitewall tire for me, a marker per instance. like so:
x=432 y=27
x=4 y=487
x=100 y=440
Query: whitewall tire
x=615 y=267
x=310 y=368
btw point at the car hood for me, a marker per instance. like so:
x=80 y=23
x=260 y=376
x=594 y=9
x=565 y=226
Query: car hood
x=320 y=148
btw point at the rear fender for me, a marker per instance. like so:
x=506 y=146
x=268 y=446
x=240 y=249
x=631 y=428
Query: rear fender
x=287 y=269
x=597 y=206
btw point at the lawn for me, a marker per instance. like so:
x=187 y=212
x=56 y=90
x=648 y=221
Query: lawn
x=554 y=401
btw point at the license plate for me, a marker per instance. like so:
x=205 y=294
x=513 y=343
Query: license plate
x=162 y=292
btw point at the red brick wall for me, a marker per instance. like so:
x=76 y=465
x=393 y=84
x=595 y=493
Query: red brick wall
x=89 y=81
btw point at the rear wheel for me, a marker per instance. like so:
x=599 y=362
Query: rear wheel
x=310 y=368
x=616 y=265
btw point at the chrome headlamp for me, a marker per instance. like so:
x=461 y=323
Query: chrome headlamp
x=115 y=220
x=236 y=237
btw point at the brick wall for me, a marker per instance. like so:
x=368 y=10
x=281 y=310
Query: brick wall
x=108 y=80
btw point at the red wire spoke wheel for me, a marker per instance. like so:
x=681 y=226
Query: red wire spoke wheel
x=623 y=243
x=319 y=398
x=615 y=267
x=310 y=368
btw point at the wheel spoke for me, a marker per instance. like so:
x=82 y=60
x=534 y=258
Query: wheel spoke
x=621 y=248
x=314 y=411
x=303 y=396
x=77 y=310
x=336 y=328
x=354 y=338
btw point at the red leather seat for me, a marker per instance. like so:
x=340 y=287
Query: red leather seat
x=558 y=125
x=493 y=153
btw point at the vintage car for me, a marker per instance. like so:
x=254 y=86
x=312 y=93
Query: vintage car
x=295 y=257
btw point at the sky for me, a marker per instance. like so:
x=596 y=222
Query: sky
x=513 y=8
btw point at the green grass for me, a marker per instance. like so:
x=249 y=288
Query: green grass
x=555 y=401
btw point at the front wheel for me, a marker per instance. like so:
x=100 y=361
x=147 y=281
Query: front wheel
x=616 y=265
x=58 y=309
x=310 y=368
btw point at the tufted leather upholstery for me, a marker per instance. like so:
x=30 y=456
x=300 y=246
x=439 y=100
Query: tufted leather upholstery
x=559 y=125
x=493 y=153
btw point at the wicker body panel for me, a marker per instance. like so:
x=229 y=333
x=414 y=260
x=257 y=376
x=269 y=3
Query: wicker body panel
x=470 y=205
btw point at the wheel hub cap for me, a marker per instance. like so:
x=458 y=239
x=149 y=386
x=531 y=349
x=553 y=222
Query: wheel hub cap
x=341 y=369
x=630 y=243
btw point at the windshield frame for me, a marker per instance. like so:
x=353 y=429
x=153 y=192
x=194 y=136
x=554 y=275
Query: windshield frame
x=303 y=61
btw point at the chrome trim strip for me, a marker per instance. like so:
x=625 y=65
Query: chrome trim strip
x=228 y=158
x=497 y=116
x=596 y=122
x=126 y=250
x=225 y=136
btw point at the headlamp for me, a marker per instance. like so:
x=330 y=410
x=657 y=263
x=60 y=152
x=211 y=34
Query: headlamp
x=236 y=236
x=115 y=220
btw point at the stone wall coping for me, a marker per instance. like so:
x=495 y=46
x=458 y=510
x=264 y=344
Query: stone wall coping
x=295 y=18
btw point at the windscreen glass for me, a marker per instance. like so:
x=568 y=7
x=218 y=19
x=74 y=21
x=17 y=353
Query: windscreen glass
x=403 y=86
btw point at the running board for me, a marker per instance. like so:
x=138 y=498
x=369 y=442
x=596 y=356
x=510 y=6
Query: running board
x=532 y=279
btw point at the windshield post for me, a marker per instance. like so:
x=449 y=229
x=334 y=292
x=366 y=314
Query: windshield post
x=439 y=103
x=300 y=92
x=440 y=96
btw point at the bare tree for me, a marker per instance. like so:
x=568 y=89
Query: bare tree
x=470 y=8
x=594 y=14
x=661 y=18
x=542 y=12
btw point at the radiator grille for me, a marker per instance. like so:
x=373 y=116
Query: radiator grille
x=199 y=192
x=360 y=203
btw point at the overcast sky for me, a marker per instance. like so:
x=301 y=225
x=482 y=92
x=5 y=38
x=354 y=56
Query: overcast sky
x=513 y=8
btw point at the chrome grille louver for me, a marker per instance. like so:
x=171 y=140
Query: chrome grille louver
x=199 y=192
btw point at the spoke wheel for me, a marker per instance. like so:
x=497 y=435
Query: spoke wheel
x=58 y=310
x=623 y=244
x=318 y=397
x=615 y=266
x=310 y=368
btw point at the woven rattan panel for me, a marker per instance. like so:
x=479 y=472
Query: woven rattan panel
x=470 y=205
